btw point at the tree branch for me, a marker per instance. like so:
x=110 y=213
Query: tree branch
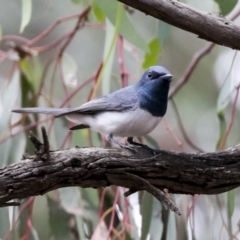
x=185 y=173
x=207 y=26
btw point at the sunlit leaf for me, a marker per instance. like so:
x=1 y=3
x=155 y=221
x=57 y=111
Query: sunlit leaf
x=26 y=14
x=98 y=13
x=69 y=70
x=163 y=31
x=106 y=76
x=146 y=213
x=8 y=99
x=226 y=6
x=152 y=58
x=127 y=30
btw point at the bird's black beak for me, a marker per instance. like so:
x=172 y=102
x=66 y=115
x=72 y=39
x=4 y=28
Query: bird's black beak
x=167 y=77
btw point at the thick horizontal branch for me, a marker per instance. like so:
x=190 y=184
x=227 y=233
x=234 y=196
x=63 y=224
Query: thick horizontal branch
x=185 y=173
x=207 y=26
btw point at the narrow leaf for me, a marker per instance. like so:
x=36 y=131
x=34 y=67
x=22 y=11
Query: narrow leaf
x=108 y=64
x=163 y=31
x=127 y=30
x=152 y=57
x=231 y=200
x=26 y=14
x=97 y=11
x=146 y=212
x=226 y=6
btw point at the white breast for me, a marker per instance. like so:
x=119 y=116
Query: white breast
x=123 y=124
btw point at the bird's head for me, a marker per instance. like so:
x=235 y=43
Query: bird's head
x=153 y=90
x=155 y=80
x=156 y=75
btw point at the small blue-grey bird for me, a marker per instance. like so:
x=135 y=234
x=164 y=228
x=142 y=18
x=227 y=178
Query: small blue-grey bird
x=130 y=112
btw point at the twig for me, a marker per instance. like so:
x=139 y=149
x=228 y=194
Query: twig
x=41 y=148
x=191 y=67
x=157 y=193
x=190 y=143
x=54 y=25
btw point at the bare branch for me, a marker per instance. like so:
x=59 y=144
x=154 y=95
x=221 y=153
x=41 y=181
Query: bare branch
x=207 y=26
x=185 y=173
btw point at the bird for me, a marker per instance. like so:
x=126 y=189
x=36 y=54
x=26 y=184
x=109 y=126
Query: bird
x=132 y=111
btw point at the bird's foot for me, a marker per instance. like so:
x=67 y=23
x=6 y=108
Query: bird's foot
x=144 y=146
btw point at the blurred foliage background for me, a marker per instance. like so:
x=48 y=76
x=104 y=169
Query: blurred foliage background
x=64 y=54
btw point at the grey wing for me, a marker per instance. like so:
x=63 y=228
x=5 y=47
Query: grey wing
x=120 y=100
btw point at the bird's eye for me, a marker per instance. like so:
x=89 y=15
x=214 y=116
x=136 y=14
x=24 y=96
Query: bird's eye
x=150 y=74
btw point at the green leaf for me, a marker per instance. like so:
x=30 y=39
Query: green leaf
x=106 y=75
x=76 y=1
x=151 y=58
x=231 y=200
x=70 y=198
x=163 y=31
x=226 y=6
x=127 y=30
x=40 y=217
x=98 y=13
x=26 y=14
x=4 y=222
x=151 y=141
x=146 y=212
x=222 y=127
x=230 y=210
x=59 y=221
x=223 y=101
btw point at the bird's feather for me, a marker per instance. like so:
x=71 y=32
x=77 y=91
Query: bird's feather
x=121 y=100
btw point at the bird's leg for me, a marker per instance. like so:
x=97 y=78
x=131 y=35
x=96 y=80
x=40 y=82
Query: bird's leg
x=111 y=139
x=130 y=141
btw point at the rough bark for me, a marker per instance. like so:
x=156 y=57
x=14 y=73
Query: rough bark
x=185 y=173
x=207 y=26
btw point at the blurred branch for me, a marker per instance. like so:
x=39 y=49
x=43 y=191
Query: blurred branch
x=178 y=172
x=207 y=26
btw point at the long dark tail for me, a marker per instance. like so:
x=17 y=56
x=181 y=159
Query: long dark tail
x=53 y=111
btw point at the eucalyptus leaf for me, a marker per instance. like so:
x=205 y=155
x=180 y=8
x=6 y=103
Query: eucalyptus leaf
x=26 y=14
x=98 y=13
x=163 y=31
x=226 y=6
x=59 y=221
x=231 y=200
x=8 y=98
x=127 y=30
x=4 y=222
x=152 y=58
x=106 y=76
x=146 y=212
